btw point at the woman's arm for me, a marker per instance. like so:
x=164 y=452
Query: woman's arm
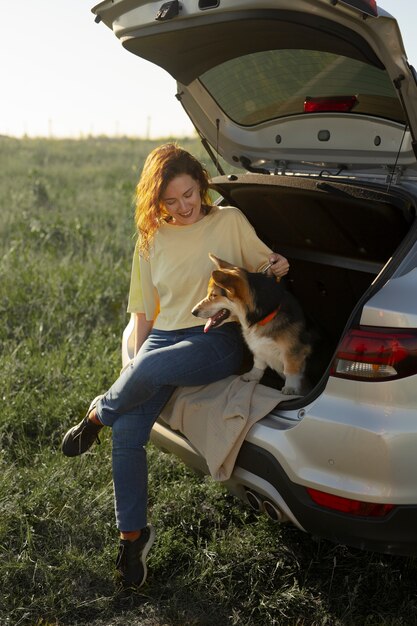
x=142 y=329
x=254 y=250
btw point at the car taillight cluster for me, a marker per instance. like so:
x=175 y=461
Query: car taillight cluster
x=347 y=505
x=375 y=355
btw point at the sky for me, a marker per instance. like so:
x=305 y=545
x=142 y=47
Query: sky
x=63 y=75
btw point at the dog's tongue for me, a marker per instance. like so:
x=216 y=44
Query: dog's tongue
x=209 y=324
x=213 y=321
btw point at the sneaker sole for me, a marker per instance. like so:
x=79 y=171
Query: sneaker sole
x=145 y=553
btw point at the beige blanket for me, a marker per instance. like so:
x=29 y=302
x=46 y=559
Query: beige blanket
x=215 y=418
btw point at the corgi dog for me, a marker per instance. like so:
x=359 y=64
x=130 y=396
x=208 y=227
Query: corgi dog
x=272 y=321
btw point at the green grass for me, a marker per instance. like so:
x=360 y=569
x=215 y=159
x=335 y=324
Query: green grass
x=66 y=240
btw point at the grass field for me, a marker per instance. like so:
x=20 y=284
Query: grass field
x=66 y=240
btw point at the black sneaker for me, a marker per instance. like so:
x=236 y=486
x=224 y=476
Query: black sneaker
x=131 y=558
x=81 y=437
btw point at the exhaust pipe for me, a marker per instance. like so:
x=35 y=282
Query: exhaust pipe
x=254 y=501
x=273 y=512
x=259 y=505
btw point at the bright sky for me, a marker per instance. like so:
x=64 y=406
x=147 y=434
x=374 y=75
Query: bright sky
x=63 y=75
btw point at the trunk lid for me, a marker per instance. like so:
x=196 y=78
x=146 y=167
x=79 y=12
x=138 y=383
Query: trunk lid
x=284 y=86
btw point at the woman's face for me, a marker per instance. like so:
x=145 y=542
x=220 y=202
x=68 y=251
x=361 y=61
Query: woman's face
x=182 y=200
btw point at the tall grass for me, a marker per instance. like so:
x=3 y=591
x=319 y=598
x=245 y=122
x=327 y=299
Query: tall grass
x=66 y=240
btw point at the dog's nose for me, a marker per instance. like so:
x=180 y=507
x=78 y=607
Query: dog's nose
x=194 y=311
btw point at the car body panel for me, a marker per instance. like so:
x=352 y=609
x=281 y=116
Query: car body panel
x=394 y=305
x=373 y=436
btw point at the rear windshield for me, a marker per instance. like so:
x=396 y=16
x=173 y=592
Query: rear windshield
x=275 y=83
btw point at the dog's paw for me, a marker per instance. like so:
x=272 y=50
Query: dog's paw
x=254 y=374
x=290 y=391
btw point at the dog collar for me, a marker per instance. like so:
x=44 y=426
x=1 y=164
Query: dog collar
x=268 y=318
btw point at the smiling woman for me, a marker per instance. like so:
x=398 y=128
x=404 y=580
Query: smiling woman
x=170 y=272
x=182 y=201
x=173 y=183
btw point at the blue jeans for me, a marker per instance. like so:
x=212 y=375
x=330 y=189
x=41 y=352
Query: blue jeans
x=166 y=360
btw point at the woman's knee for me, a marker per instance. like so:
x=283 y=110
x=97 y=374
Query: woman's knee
x=128 y=432
x=147 y=369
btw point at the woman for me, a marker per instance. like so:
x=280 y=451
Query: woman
x=177 y=228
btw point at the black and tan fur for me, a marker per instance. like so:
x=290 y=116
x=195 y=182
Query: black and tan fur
x=271 y=319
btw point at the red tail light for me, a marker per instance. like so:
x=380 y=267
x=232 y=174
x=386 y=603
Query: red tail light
x=365 y=6
x=374 y=355
x=330 y=104
x=346 y=505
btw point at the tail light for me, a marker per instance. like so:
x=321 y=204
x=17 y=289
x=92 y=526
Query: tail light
x=330 y=104
x=376 y=355
x=346 y=505
x=369 y=7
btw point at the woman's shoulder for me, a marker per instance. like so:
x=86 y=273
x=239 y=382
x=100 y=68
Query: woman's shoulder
x=227 y=212
x=233 y=215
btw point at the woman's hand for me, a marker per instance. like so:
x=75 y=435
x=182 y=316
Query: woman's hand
x=280 y=265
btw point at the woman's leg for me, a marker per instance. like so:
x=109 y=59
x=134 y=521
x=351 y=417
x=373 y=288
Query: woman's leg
x=131 y=407
x=131 y=430
x=175 y=358
x=130 y=474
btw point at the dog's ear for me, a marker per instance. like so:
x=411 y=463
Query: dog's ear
x=226 y=280
x=219 y=263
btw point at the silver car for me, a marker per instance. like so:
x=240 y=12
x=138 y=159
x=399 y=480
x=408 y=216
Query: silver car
x=315 y=102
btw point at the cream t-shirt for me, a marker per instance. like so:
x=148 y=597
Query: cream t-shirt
x=175 y=277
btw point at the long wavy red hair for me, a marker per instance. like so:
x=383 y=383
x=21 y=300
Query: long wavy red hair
x=162 y=165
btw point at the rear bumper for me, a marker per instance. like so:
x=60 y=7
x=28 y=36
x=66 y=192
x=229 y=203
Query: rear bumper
x=356 y=441
x=258 y=470
x=396 y=533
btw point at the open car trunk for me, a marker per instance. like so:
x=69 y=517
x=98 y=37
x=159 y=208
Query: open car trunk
x=315 y=99
x=338 y=238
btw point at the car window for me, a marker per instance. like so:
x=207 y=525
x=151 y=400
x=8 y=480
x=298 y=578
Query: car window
x=275 y=83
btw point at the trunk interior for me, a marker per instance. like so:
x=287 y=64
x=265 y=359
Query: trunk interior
x=337 y=237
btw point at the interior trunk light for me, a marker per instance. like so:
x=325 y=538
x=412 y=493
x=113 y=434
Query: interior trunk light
x=330 y=104
x=346 y=505
x=370 y=354
x=366 y=6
